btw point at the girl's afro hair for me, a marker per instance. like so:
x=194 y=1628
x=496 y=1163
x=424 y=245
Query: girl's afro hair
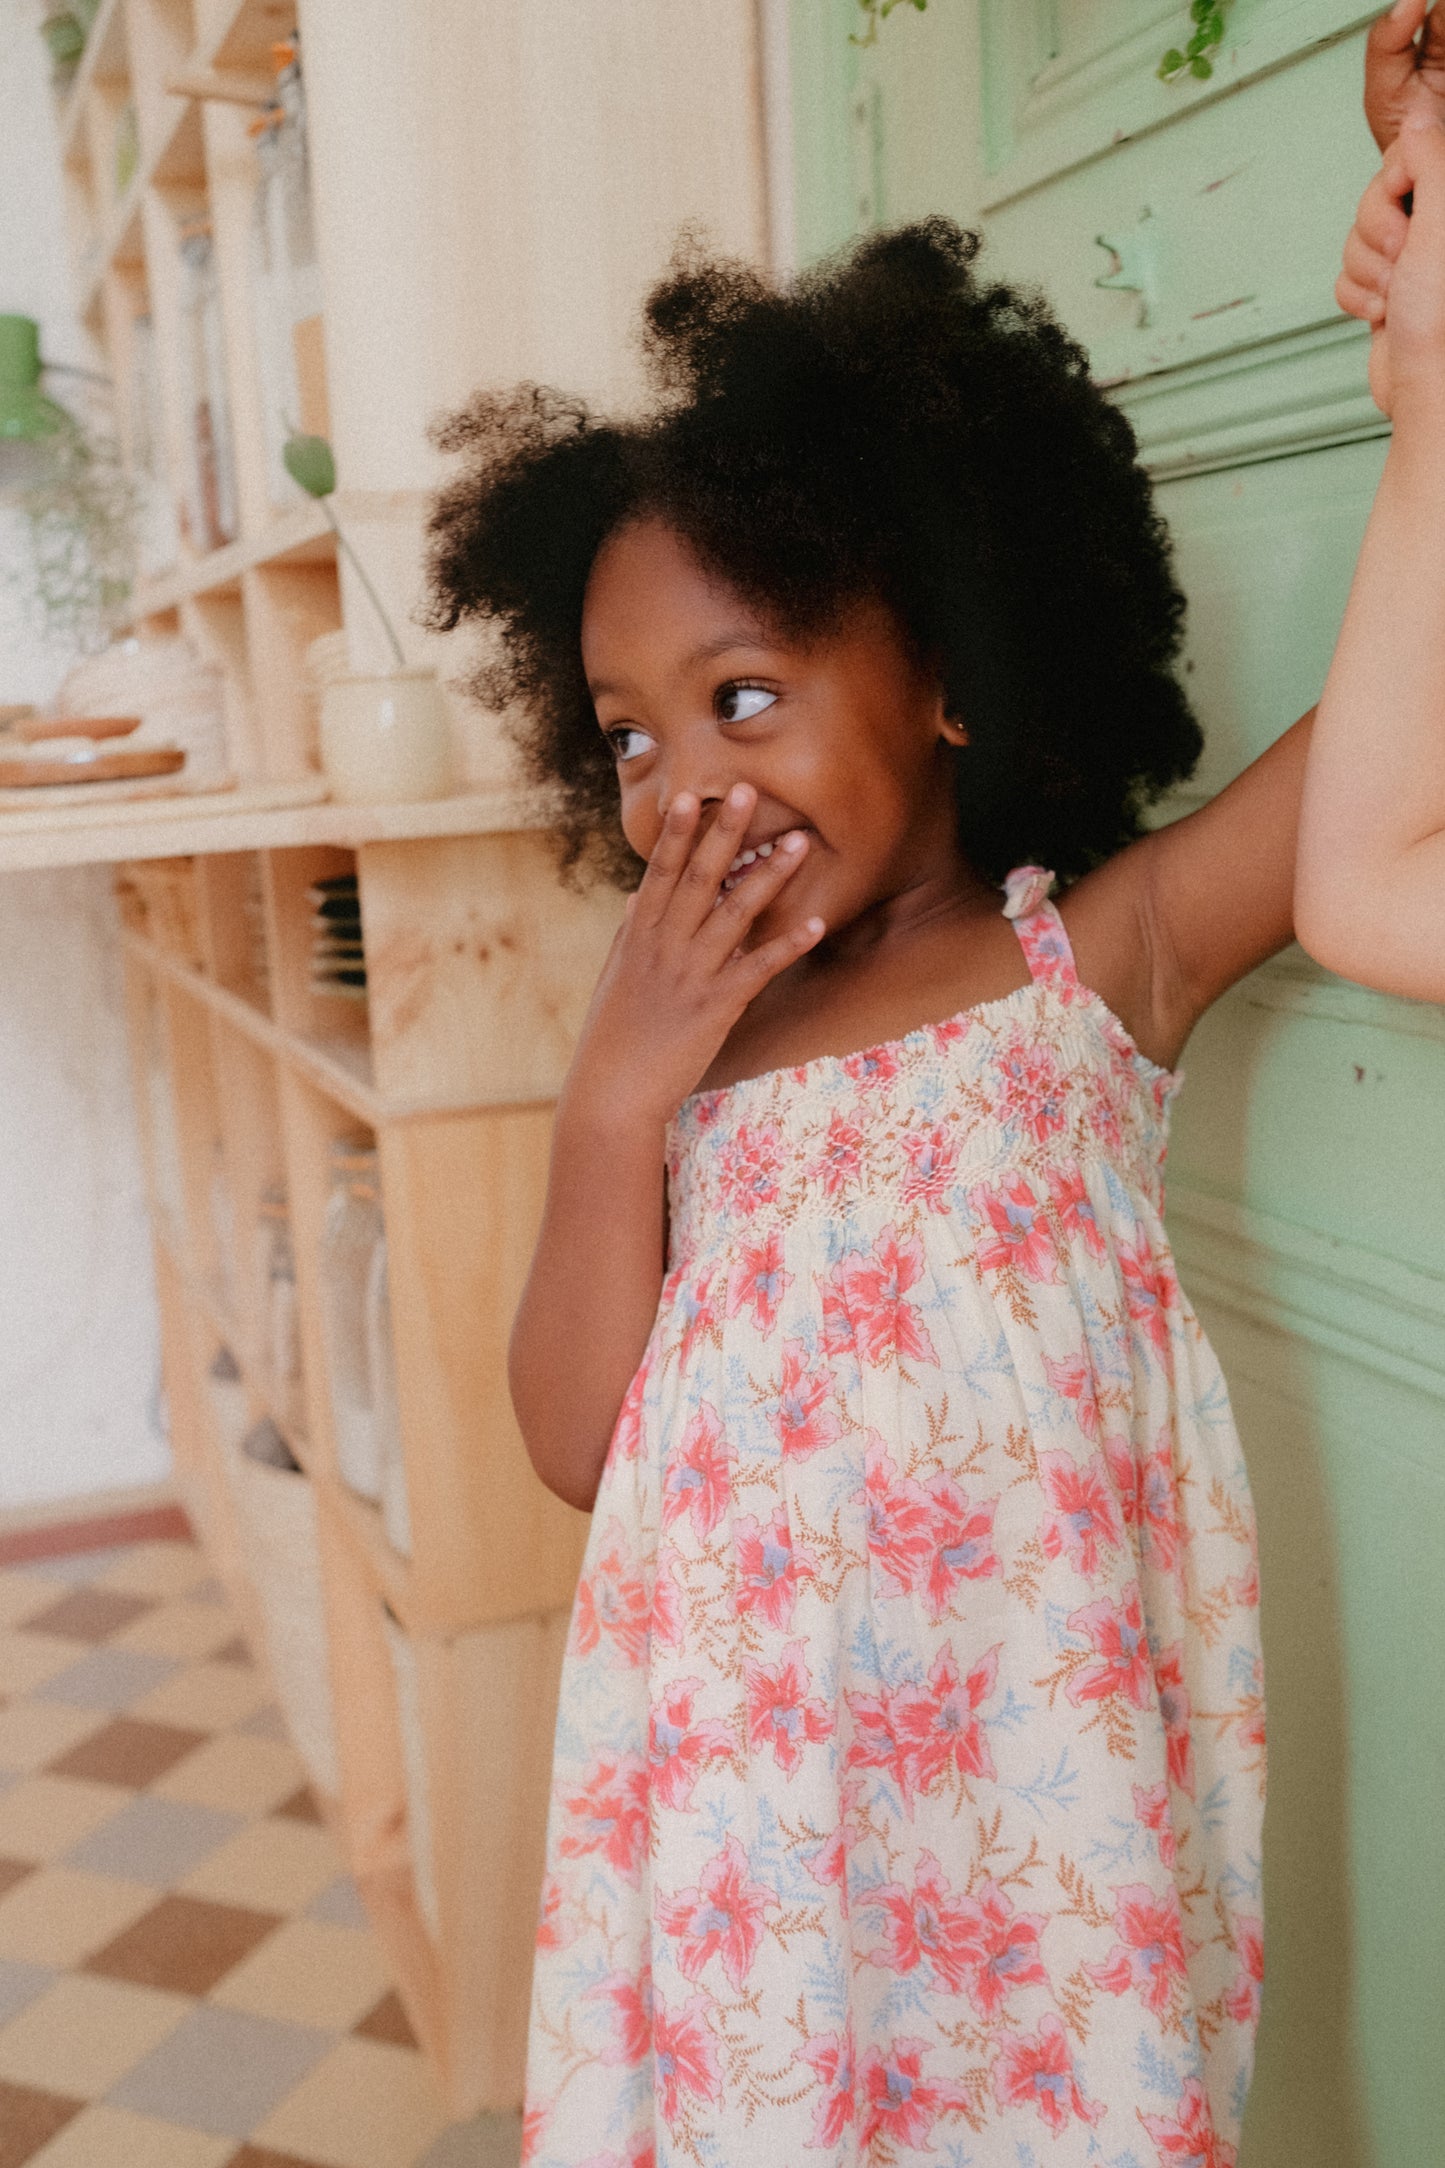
x=890 y=426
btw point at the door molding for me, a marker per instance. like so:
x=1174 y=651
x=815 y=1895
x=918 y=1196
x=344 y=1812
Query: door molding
x=1370 y=1309
x=1046 y=112
x=1282 y=390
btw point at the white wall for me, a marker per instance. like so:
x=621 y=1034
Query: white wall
x=78 y=1341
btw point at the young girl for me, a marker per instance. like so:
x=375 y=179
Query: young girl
x=1370 y=896
x=910 y=1760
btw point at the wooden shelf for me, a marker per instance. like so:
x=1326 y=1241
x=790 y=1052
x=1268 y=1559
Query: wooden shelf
x=302 y=536
x=263 y=816
x=103 y=52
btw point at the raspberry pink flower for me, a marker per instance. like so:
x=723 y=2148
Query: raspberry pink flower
x=609 y=1814
x=1187 y=2138
x=830 y=2056
x=960 y=1543
x=865 y=1304
x=899 y=1520
x=1149 y=1955
x=684 y=2059
x=722 y=1916
x=757 y=1281
x=897 y=2102
x=677 y=1749
x=1082 y=1512
x=769 y=1568
x=780 y=1714
x=1174 y=1708
x=1020 y=1237
x=698 y=1478
x=613 y=1599
x=804 y=1419
x=631 y=2015
x=1121 y=1661
x=1036 y=2070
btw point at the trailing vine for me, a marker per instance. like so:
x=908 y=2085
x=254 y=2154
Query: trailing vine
x=876 y=12
x=1207 y=17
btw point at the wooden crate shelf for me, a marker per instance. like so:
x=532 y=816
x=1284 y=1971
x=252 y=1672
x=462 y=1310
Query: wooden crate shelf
x=479 y=964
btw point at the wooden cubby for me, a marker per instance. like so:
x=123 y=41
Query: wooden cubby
x=419 y=1687
x=442 y=1664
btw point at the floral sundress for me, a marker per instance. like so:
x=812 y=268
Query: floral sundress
x=910 y=1759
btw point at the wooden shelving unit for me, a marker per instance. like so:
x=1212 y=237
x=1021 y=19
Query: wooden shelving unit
x=439 y=1667
x=419 y=1687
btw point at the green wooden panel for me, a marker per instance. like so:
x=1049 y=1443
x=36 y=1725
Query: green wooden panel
x=1308 y=1171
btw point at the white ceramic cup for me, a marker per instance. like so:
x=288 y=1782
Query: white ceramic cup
x=386 y=740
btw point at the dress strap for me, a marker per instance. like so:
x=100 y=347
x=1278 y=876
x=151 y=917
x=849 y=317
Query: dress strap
x=1040 y=929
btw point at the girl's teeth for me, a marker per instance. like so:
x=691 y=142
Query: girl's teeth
x=765 y=850
x=746 y=858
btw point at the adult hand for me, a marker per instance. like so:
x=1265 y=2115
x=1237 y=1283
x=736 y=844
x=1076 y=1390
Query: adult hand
x=1405 y=67
x=1395 y=273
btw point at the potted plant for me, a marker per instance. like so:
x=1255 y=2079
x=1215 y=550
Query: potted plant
x=384 y=740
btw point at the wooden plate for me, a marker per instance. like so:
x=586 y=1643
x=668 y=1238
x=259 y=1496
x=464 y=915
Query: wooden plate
x=34 y=726
x=106 y=768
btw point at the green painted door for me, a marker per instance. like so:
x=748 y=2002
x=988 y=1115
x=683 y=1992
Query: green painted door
x=1307 y=1192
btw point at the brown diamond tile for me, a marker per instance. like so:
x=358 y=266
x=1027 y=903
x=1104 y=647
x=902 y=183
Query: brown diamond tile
x=128 y=1751
x=185 y=1944
x=29 y=2119
x=388 y=2021
x=88 y=1614
x=13 y=1871
x=300 y=1807
x=234 y=1652
x=261 y=2156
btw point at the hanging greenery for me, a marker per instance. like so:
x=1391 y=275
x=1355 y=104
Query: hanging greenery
x=1207 y=17
x=74 y=572
x=876 y=12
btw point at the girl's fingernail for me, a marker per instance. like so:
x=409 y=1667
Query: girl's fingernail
x=738 y=797
x=792 y=841
x=813 y=925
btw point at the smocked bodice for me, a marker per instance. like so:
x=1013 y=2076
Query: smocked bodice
x=1044 y=1079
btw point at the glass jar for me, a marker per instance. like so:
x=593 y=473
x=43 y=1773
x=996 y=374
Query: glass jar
x=208 y=502
x=285 y=276
x=352 y=1229
x=278 y=1314
x=381 y=1362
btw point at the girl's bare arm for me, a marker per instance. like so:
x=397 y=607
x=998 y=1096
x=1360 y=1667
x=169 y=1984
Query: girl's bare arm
x=677 y=980
x=1370 y=894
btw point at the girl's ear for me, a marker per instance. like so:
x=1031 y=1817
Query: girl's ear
x=951 y=728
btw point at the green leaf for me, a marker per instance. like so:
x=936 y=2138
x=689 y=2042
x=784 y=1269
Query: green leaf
x=1200 y=10
x=1171 y=64
x=1201 y=68
x=309 y=461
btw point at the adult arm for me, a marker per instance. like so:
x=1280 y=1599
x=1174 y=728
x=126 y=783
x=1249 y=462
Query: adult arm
x=1370 y=896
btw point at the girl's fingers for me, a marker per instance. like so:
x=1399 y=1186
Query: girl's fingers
x=729 y=923
x=712 y=854
x=755 y=967
x=669 y=857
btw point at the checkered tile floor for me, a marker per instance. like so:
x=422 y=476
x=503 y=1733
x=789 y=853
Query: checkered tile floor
x=186 y=1975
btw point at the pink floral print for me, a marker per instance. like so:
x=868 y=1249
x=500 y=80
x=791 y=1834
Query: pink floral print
x=909 y=1765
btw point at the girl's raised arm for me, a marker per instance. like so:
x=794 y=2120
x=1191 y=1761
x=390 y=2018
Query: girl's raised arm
x=1370 y=883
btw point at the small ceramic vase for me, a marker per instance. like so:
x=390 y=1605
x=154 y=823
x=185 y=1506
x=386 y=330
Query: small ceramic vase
x=386 y=740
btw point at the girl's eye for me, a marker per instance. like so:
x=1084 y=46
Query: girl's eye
x=738 y=703
x=628 y=742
